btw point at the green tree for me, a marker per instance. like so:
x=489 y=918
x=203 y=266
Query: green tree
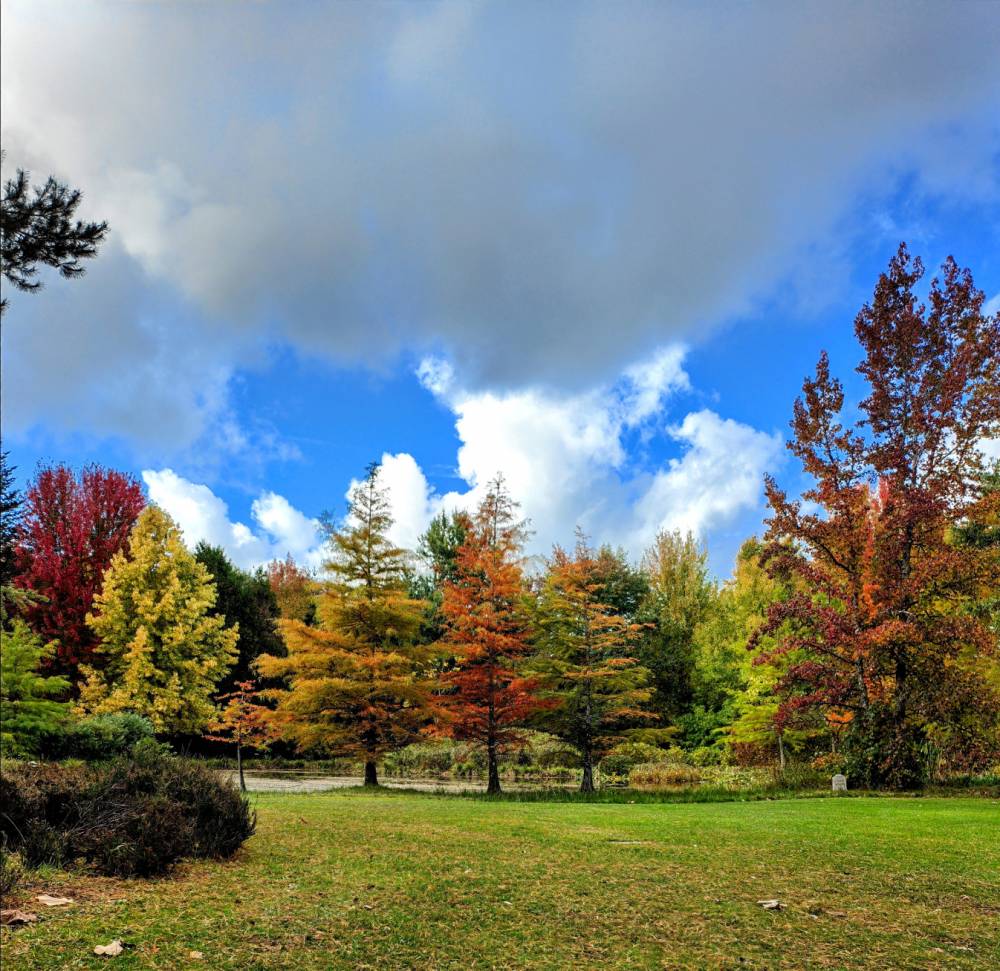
x=162 y=651
x=680 y=593
x=357 y=682
x=10 y=520
x=247 y=602
x=30 y=708
x=438 y=550
x=585 y=658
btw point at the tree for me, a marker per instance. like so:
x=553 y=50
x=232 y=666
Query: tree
x=246 y=602
x=486 y=630
x=880 y=618
x=584 y=658
x=294 y=590
x=162 y=651
x=357 y=683
x=10 y=521
x=438 y=549
x=71 y=530
x=242 y=722
x=30 y=708
x=37 y=228
x=680 y=592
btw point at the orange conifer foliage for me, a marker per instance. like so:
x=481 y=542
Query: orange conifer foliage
x=359 y=684
x=486 y=630
x=242 y=722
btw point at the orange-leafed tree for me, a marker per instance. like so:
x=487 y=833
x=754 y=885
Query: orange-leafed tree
x=294 y=589
x=358 y=683
x=879 y=623
x=586 y=658
x=243 y=721
x=488 y=698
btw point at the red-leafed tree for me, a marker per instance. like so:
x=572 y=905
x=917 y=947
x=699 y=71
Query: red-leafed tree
x=71 y=528
x=485 y=628
x=879 y=626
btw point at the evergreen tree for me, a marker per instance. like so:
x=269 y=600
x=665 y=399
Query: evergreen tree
x=247 y=602
x=680 y=593
x=585 y=658
x=357 y=682
x=10 y=521
x=37 y=228
x=30 y=708
x=162 y=652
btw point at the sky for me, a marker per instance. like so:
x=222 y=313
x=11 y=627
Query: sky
x=593 y=246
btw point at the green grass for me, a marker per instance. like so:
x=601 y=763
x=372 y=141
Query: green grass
x=392 y=880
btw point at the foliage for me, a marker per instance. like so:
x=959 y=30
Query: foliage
x=680 y=593
x=357 y=682
x=620 y=759
x=130 y=817
x=294 y=590
x=243 y=722
x=663 y=774
x=881 y=618
x=10 y=522
x=101 y=737
x=71 y=530
x=11 y=872
x=486 y=629
x=247 y=603
x=162 y=652
x=584 y=658
x=37 y=228
x=30 y=709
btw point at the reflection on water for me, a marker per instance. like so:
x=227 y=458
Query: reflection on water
x=312 y=782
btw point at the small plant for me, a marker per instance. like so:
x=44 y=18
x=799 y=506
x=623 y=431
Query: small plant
x=656 y=775
x=622 y=758
x=11 y=872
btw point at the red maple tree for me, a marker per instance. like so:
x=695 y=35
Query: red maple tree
x=486 y=629
x=879 y=626
x=70 y=530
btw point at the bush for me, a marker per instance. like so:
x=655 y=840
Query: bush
x=11 y=872
x=663 y=774
x=706 y=755
x=130 y=817
x=619 y=761
x=421 y=758
x=103 y=737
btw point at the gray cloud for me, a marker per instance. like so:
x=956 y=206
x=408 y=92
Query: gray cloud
x=543 y=192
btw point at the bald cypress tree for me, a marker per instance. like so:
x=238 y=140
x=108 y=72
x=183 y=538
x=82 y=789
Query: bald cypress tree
x=357 y=682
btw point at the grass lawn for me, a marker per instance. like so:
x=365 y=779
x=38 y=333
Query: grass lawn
x=393 y=880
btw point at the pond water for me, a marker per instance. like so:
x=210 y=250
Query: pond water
x=314 y=782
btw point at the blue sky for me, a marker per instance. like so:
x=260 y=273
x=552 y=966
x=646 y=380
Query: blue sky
x=594 y=246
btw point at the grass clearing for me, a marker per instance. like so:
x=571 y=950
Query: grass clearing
x=349 y=879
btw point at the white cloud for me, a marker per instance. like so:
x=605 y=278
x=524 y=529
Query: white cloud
x=992 y=306
x=203 y=516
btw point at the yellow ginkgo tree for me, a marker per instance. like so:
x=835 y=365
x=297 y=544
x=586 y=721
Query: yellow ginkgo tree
x=161 y=653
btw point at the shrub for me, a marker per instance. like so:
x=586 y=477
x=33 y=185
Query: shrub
x=130 y=817
x=421 y=758
x=663 y=774
x=706 y=755
x=620 y=760
x=103 y=737
x=11 y=872
x=829 y=762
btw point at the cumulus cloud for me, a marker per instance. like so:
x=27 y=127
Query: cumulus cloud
x=359 y=179
x=203 y=516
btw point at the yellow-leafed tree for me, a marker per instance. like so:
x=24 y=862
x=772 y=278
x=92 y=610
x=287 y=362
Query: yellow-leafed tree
x=161 y=653
x=358 y=683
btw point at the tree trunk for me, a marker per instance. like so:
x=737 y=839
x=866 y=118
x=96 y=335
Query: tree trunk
x=239 y=766
x=781 y=752
x=588 y=771
x=493 y=785
x=371 y=774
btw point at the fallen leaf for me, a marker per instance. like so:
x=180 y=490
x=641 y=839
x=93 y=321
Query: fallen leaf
x=50 y=901
x=770 y=904
x=195 y=955
x=111 y=950
x=14 y=917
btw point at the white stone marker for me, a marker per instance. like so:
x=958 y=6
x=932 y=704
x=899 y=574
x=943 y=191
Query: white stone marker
x=840 y=783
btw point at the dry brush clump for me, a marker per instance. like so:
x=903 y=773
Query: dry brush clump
x=130 y=817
